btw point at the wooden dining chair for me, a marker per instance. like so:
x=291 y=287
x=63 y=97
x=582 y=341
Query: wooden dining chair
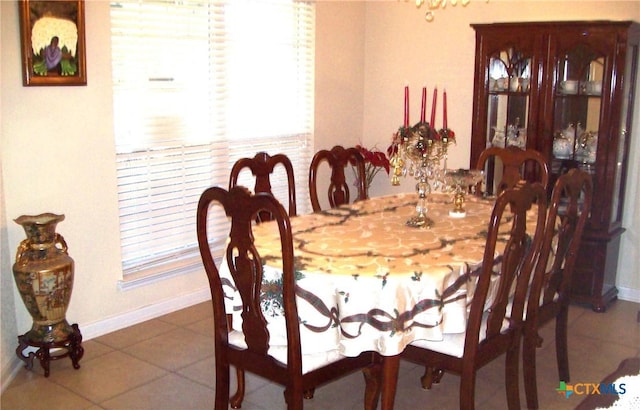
x=516 y=163
x=550 y=289
x=250 y=349
x=494 y=324
x=262 y=166
x=338 y=158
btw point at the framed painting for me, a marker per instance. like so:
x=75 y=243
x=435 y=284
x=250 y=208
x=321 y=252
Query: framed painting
x=53 y=42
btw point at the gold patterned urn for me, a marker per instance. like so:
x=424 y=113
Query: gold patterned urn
x=43 y=273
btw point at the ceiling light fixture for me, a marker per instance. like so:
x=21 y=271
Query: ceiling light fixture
x=433 y=5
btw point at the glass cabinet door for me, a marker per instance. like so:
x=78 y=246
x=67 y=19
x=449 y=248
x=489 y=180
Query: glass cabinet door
x=577 y=104
x=509 y=84
x=507 y=105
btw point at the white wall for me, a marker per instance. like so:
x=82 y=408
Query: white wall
x=340 y=72
x=8 y=324
x=57 y=150
x=339 y=79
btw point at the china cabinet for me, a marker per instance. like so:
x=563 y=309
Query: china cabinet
x=565 y=89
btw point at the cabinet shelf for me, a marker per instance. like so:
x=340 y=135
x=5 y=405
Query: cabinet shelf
x=518 y=93
x=578 y=95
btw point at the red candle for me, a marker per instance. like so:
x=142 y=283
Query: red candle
x=406 y=106
x=423 y=110
x=444 y=109
x=433 y=108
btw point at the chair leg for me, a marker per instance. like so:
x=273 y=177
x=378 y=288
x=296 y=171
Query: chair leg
x=373 y=381
x=512 y=377
x=467 y=388
x=430 y=377
x=529 y=368
x=222 y=386
x=294 y=399
x=562 y=350
x=236 y=400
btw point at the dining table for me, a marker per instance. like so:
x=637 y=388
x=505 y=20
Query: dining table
x=366 y=281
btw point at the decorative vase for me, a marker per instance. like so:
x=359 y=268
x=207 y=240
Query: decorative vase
x=43 y=272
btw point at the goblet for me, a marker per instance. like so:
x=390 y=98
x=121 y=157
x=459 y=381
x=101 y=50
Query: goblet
x=460 y=180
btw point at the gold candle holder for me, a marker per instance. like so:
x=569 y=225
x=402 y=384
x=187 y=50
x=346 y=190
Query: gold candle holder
x=460 y=180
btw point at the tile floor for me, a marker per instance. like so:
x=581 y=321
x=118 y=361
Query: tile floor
x=167 y=363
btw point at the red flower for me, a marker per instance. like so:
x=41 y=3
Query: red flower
x=374 y=161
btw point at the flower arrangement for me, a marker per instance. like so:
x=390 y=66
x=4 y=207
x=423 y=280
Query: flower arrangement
x=374 y=161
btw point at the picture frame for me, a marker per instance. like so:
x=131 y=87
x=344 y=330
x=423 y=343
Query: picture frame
x=53 y=42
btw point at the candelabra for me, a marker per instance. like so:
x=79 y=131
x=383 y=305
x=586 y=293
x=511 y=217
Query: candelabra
x=419 y=152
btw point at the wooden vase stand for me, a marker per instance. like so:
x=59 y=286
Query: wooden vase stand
x=70 y=347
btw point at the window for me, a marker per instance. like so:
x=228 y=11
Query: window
x=198 y=84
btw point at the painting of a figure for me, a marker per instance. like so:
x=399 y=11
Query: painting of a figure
x=53 y=42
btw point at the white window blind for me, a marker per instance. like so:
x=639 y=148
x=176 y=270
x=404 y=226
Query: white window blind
x=197 y=85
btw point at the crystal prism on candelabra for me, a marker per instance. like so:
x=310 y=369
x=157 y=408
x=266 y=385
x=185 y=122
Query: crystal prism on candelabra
x=420 y=152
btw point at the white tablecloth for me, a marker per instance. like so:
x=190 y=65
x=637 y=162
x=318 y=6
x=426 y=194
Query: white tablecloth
x=366 y=281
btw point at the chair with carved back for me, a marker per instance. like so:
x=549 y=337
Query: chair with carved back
x=550 y=289
x=338 y=158
x=516 y=165
x=494 y=325
x=249 y=349
x=262 y=166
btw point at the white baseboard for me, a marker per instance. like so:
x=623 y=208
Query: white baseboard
x=629 y=294
x=102 y=327
x=9 y=371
